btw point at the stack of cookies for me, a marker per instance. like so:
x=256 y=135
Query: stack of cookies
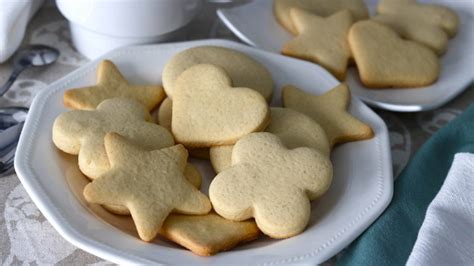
x=270 y=162
x=399 y=47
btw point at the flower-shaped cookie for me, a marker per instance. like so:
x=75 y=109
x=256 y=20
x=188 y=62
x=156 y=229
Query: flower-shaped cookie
x=81 y=132
x=295 y=130
x=151 y=184
x=271 y=183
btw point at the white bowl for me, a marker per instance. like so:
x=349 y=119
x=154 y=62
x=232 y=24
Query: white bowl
x=98 y=26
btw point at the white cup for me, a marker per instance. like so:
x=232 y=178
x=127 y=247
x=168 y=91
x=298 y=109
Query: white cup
x=98 y=26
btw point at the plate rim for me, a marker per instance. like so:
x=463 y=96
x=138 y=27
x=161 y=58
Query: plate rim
x=381 y=104
x=28 y=175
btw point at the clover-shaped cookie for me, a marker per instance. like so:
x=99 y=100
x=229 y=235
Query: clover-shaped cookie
x=385 y=60
x=271 y=183
x=321 y=40
x=208 y=111
x=82 y=132
x=111 y=84
x=295 y=130
x=433 y=14
x=151 y=184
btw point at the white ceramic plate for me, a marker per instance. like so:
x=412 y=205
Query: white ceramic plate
x=255 y=24
x=361 y=190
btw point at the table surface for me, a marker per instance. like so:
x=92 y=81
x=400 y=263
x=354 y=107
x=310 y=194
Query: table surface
x=27 y=237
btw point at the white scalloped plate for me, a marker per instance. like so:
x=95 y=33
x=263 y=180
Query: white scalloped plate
x=255 y=24
x=361 y=190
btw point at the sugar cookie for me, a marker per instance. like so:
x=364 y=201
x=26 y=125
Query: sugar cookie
x=190 y=172
x=164 y=113
x=111 y=84
x=385 y=60
x=82 y=132
x=329 y=110
x=208 y=111
x=271 y=183
x=410 y=28
x=243 y=70
x=433 y=14
x=221 y=157
x=321 y=40
x=293 y=128
x=158 y=188
x=207 y=235
x=164 y=119
x=324 y=8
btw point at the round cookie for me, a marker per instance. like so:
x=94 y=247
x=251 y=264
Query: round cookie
x=164 y=113
x=324 y=8
x=243 y=70
x=190 y=172
x=293 y=128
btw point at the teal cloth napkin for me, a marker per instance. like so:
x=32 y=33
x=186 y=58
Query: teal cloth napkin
x=390 y=239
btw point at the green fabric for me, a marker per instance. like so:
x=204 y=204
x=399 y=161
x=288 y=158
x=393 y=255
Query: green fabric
x=390 y=239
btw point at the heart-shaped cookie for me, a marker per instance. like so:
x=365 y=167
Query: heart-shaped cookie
x=436 y=15
x=385 y=60
x=208 y=111
x=413 y=29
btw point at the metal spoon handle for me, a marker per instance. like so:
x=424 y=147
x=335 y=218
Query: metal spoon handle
x=15 y=73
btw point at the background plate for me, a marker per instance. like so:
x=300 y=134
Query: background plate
x=361 y=189
x=255 y=24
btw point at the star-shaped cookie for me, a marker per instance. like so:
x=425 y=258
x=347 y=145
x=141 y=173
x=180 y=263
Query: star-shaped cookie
x=151 y=184
x=81 y=132
x=330 y=111
x=321 y=40
x=191 y=173
x=206 y=235
x=110 y=84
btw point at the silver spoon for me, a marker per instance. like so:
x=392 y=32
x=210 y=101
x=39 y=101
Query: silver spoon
x=32 y=56
x=12 y=117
